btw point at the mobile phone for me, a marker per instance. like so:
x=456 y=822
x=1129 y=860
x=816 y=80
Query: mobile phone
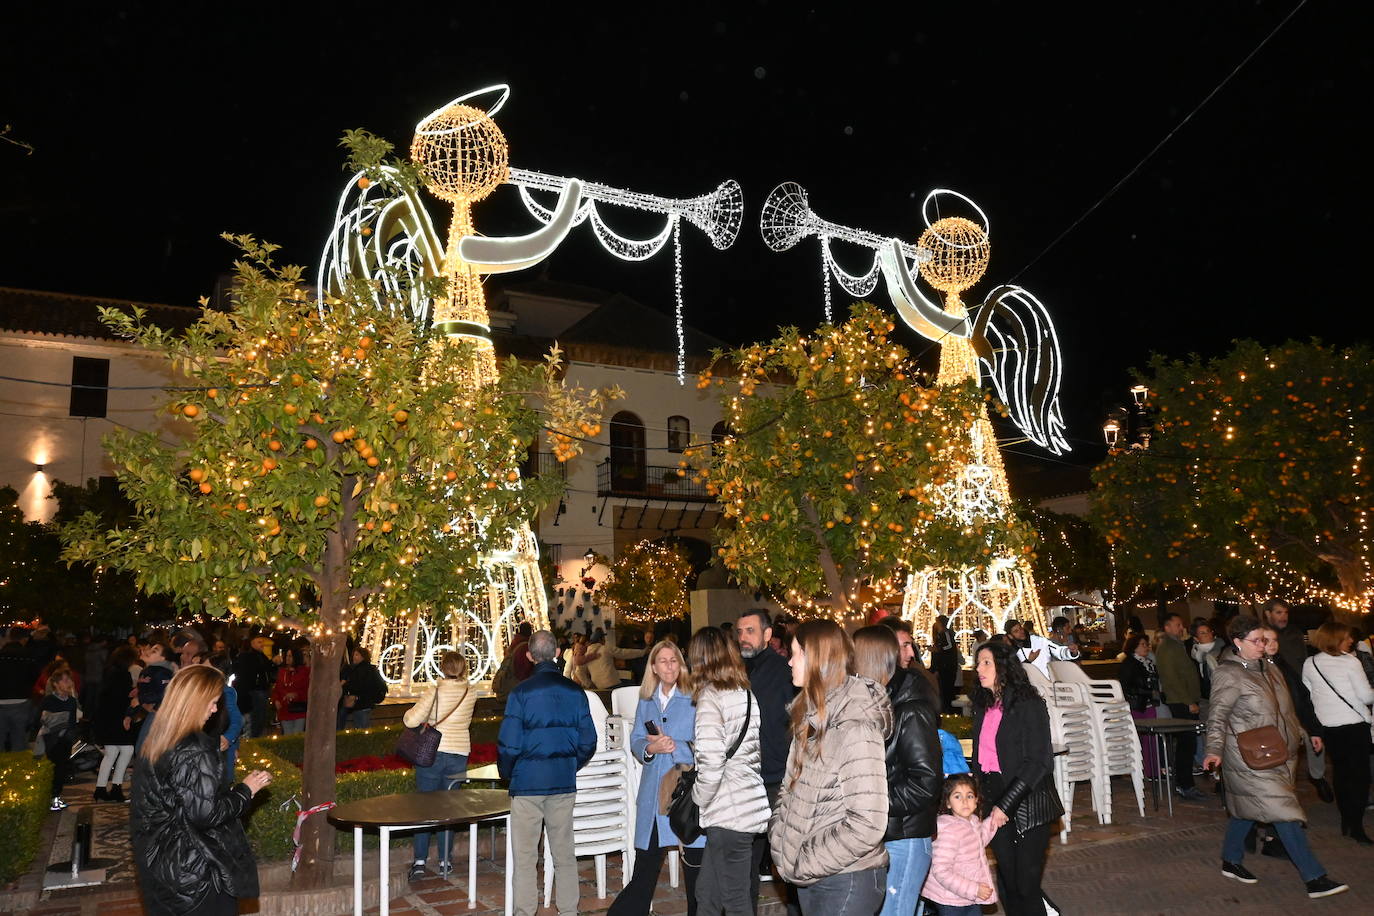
x=651 y=727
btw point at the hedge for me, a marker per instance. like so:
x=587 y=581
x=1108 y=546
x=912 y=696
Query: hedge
x=25 y=787
x=270 y=825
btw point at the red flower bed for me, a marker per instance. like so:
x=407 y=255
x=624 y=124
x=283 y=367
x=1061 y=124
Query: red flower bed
x=481 y=754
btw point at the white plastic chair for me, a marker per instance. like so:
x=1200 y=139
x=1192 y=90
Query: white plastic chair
x=603 y=819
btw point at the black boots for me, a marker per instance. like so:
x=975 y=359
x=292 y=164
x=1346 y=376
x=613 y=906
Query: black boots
x=1324 y=790
x=1356 y=832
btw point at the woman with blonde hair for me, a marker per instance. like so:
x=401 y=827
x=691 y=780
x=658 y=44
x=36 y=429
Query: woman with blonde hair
x=59 y=714
x=665 y=726
x=448 y=707
x=729 y=789
x=189 y=846
x=827 y=833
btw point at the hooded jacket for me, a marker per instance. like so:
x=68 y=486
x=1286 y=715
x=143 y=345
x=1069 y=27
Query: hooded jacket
x=915 y=765
x=833 y=805
x=187 y=837
x=1246 y=695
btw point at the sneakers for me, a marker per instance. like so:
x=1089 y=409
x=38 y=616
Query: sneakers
x=445 y=869
x=57 y=804
x=417 y=871
x=1237 y=872
x=1191 y=793
x=1324 y=887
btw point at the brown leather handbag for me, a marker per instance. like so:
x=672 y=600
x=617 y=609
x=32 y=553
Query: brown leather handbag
x=1262 y=748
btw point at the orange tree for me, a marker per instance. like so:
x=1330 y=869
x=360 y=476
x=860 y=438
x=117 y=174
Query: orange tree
x=1256 y=482
x=833 y=471
x=648 y=582
x=333 y=461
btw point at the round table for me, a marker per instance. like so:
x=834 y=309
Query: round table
x=421 y=811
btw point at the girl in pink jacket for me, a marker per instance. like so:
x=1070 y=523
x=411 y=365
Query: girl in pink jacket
x=960 y=881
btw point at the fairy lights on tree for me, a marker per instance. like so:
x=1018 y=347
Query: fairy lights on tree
x=1256 y=483
x=647 y=583
x=834 y=471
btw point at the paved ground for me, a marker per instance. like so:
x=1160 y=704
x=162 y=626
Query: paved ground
x=1154 y=864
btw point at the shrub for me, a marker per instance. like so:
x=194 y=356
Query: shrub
x=25 y=782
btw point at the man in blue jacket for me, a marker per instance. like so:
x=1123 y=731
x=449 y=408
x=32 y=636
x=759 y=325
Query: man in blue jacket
x=545 y=738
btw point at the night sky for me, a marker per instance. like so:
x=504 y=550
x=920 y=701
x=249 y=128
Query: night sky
x=157 y=126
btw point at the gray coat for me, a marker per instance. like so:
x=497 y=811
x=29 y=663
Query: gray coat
x=1248 y=695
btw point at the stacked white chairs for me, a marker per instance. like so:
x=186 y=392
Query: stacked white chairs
x=1072 y=726
x=603 y=818
x=1118 y=740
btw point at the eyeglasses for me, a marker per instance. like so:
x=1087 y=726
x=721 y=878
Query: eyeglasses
x=1259 y=641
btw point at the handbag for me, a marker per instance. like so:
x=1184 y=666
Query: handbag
x=420 y=745
x=684 y=814
x=1262 y=748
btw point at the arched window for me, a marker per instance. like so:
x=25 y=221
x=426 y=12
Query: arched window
x=679 y=432
x=718 y=434
x=627 y=452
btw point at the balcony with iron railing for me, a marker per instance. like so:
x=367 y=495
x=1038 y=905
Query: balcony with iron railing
x=639 y=481
x=542 y=463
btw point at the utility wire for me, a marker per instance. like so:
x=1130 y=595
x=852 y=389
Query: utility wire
x=1156 y=148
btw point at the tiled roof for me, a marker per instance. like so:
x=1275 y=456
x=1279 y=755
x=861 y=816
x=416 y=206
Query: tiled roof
x=61 y=315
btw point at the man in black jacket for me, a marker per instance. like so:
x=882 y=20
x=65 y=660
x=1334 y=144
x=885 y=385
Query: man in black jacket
x=18 y=671
x=770 y=679
x=1293 y=650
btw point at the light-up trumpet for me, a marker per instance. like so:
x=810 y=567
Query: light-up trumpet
x=719 y=214
x=788 y=219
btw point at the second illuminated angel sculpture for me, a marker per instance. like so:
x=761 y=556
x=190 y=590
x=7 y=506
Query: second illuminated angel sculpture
x=390 y=242
x=1010 y=335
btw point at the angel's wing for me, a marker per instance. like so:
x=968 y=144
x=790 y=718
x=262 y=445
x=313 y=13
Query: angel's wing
x=1014 y=338
x=385 y=240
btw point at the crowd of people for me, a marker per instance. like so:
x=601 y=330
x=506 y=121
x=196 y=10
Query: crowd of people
x=797 y=750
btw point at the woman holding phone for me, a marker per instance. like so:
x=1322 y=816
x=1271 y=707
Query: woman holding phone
x=665 y=726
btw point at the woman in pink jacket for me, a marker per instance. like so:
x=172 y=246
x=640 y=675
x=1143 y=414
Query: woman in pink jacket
x=960 y=881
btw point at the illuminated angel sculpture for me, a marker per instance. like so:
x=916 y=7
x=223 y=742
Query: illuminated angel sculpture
x=389 y=240
x=1010 y=334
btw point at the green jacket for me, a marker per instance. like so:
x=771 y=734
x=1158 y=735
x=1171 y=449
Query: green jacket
x=1178 y=676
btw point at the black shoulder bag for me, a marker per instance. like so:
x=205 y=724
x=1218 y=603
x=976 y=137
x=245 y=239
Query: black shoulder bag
x=684 y=815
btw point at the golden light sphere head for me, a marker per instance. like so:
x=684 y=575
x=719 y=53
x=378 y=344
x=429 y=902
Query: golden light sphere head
x=462 y=152
x=959 y=253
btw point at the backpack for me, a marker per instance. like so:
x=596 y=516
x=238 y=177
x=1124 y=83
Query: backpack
x=504 y=680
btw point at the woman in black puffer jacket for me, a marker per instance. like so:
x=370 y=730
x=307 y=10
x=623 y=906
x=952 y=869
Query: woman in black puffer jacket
x=915 y=765
x=189 y=846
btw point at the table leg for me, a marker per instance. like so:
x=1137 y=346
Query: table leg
x=472 y=866
x=510 y=866
x=357 y=871
x=1168 y=742
x=384 y=890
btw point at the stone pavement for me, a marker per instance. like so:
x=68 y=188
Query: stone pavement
x=1154 y=864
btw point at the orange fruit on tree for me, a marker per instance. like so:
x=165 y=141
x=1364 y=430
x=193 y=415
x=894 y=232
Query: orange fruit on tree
x=196 y=475
x=321 y=501
x=212 y=393
x=205 y=488
x=276 y=530
x=401 y=416
x=386 y=527
x=339 y=436
x=274 y=445
x=512 y=476
x=312 y=444
x=364 y=342
x=290 y=409
x=241 y=505
x=373 y=461
x=451 y=475
x=370 y=525
x=268 y=464
x=191 y=411
x=363 y=182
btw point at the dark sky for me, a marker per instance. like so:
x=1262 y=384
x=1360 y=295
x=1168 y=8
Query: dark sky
x=156 y=126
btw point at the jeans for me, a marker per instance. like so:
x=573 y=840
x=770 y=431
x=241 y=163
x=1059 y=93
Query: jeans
x=850 y=893
x=14 y=726
x=114 y=764
x=909 y=860
x=293 y=726
x=530 y=816
x=437 y=777
x=1289 y=832
x=638 y=895
x=723 y=886
x=359 y=718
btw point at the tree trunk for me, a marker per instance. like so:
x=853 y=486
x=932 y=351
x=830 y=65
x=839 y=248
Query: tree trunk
x=1348 y=572
x=316 y=868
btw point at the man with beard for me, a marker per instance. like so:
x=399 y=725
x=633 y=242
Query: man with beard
x=770 y=679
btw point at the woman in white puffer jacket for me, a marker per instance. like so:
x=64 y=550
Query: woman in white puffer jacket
x=730 y=793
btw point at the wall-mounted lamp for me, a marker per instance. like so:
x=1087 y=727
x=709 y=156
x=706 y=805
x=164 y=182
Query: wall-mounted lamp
x=588 y=582
x=38 y=468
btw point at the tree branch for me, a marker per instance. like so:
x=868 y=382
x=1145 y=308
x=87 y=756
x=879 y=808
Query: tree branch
x=826 y=557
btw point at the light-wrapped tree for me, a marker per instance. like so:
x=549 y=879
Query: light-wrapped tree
x=1256 y=482
x=647 y=583
x=335 y=460
x=839 y=465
